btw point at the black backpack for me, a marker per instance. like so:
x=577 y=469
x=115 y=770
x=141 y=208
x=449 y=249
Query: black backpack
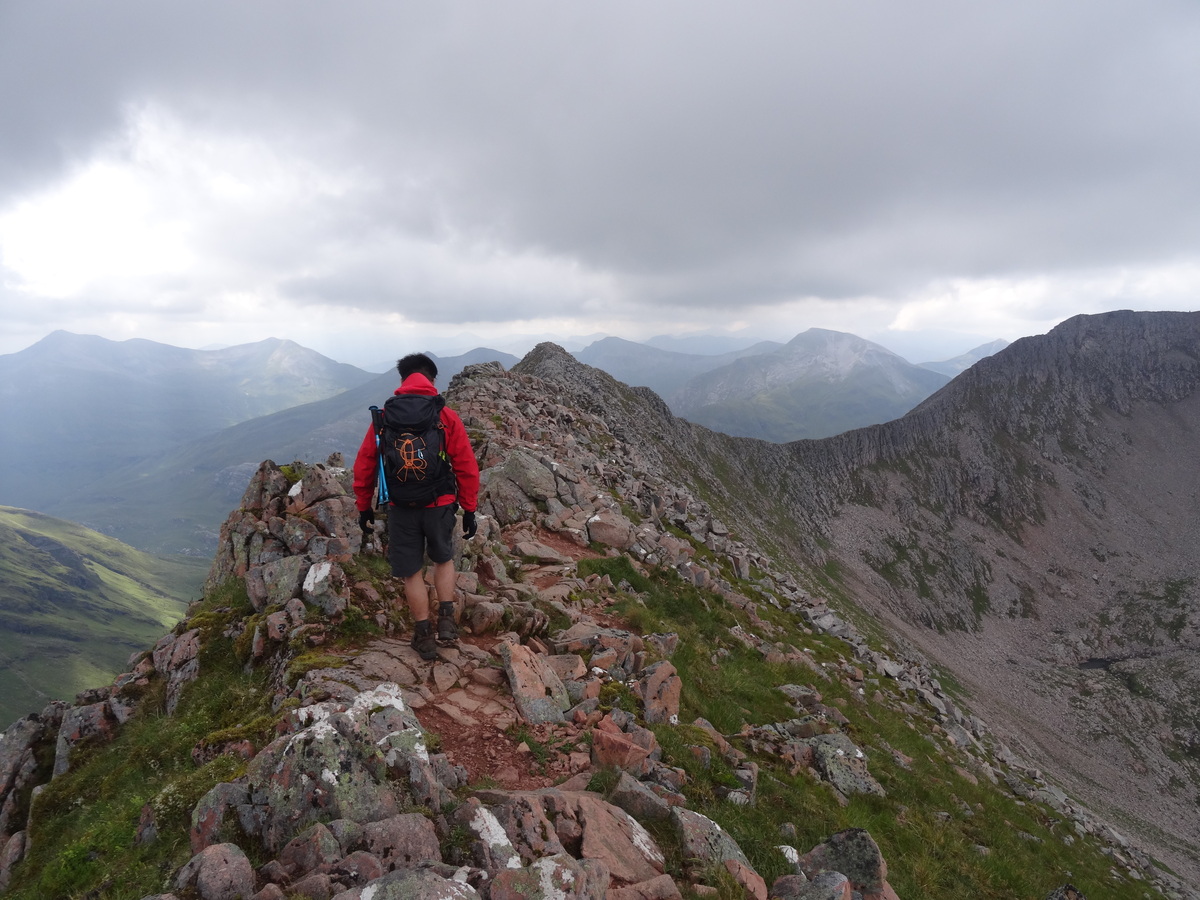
x=412 y=450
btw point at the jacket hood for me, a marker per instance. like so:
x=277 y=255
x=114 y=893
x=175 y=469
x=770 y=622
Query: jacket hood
x=416 y=383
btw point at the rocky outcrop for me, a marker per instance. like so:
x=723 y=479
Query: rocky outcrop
x=282 y=530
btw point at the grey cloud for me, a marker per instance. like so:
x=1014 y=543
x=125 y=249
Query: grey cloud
x=697 y=152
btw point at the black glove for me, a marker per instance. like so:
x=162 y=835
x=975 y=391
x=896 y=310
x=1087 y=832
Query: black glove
x=366 y=518
x=469 y=525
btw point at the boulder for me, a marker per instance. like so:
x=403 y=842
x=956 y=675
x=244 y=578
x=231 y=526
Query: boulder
x=544 y=823
x=703 y=841
x=560 y=877
x=358 y=868
x=402 y=841
x=485 y=617
x=209 y=815
x=537 y=691
x=325 y=587
x=12 y=851
x=312 y=848
x=219 y=872
x=330 y=769
x=661 y=888
x=854 y=854
x=501 y=499
x=275 y=583
x=294 y=532
x=409 y=885
x=639 y=800
x=610 y=528
x=177 y=658
x=752 y=884
x=81 y=723
x=617 y=750
x=265 y=489
x=826 y=886
x=336 y=518
x=590 y=637
x=490 y=848
x=18 y=763
x=660 y=688
x=540 y=552
x=843 y=765
x=530 y=475
x=319 y=483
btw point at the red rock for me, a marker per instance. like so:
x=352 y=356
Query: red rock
x=616 y=750
x=661 y=888
x=660 y=688
x=752 y=883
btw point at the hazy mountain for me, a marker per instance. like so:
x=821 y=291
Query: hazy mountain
x=964 y=361
x=449 y=366
x=663 y=371
x=74 y=605
x=174 y=501
x=819 y=384
x=704 y=344
x=77 y=407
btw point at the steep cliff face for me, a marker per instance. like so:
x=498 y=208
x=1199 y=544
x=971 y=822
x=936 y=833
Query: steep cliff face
x=1034 y=526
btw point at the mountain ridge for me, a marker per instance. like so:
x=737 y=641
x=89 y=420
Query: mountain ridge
x=955 y=518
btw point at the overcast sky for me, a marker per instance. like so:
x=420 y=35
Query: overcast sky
x=371 y=178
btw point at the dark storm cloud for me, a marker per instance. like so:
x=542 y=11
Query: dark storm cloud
x=692 y=153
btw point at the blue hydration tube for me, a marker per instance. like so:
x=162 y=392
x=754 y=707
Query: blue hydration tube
x=382 y=476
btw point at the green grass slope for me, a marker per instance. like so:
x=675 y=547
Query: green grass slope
x=74 y=605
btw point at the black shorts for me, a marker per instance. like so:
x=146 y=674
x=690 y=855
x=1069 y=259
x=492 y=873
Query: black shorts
x=413 y=532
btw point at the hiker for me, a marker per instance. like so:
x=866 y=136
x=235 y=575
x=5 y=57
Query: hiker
x=423 y=491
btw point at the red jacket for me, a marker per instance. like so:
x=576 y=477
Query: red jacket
x=458 y=447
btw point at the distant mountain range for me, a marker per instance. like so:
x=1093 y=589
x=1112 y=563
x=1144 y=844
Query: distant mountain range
x=153 y=444
x=964 y=361
x=77 y=407
x=819 y=384
x=664 y=371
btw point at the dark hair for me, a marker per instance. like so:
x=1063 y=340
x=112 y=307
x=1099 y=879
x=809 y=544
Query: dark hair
x=417 y=362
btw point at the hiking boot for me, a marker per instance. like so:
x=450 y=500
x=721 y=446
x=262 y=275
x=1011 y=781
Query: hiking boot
x=423 y=641
x=447 y=631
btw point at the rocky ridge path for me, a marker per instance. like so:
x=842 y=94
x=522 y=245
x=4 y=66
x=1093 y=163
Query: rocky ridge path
x=374 y=732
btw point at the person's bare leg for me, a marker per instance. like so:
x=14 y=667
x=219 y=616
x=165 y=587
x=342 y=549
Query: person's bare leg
x=444 y=581
x=417 y=595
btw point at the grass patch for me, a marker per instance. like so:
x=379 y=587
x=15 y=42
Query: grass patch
x=943 y=835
